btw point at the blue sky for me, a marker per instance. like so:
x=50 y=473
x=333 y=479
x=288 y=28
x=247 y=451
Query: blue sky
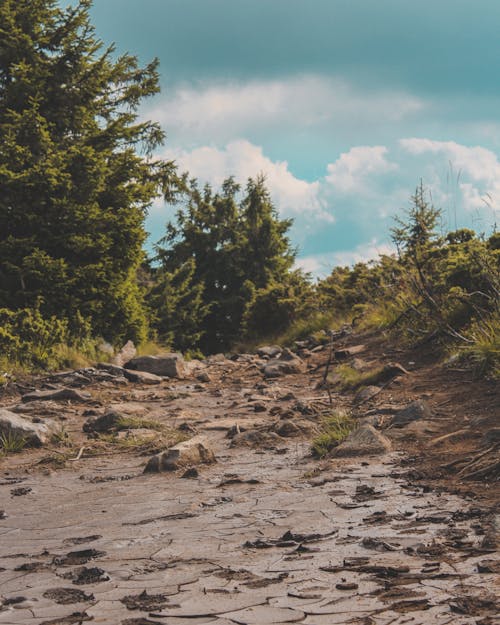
x=343 y=104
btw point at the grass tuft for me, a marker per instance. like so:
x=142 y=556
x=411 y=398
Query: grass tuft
x=334 y=429
x=12 y=443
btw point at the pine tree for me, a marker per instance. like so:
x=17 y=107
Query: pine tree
x=75 y=174
x=238 y=245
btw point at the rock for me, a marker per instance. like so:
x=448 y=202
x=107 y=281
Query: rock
x=168 y=365
x=391 y=370
x=359 y=364
x=115 y=370
x=109 y=422
x=269 y=351
x=349 y=352
x=290 y=429
x=38 y=408
x=127 y=352
x=142 y=377
x=365 y=440
x=366 y=393
x=287 y=363
x=203 y=377
x=34 y=434
x=256 y=438
x=415 y=411
x=188 y=453
x=56 y=395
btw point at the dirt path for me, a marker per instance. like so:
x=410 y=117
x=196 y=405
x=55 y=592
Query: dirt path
x=265 y=535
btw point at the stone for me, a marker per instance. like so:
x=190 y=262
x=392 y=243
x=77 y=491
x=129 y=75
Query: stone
x=56 y=395
x=349 y=352
x=34 y=434
x=142 y=377
x=127 y=352
x=365 y=440
x=186 y=454
x=366 y=393
x=115 y=370
x=256 y=438
x=287 y=363
x=169 y=365
x=416 y=411
x=203 y=377
x=290 y=429
x=269 y=351
x=108 y=422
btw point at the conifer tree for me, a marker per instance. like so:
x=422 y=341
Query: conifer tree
x=75 y=173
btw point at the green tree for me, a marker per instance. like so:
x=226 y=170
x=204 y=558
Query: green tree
x=76 y=176
x=177 y=308
x=238 y=245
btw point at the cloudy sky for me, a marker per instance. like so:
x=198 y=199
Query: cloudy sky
x=344 y=105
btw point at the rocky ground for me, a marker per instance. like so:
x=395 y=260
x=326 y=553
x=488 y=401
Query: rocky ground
x=194 y=499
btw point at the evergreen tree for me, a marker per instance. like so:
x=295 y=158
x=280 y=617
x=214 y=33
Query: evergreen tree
x=238 y=244
x=75 y=173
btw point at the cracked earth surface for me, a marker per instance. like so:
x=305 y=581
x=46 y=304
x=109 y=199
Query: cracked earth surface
x=265 y=535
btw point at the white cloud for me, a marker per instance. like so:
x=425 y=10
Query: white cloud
x=241 y=159
x=222 y=110
x=476 y=169
x=321 y=265
x=352 y=169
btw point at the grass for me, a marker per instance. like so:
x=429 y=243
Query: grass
x=12 y=443
x=136 y=423
x=334 y=429
x=348 y=378
x=314 y=325
x=485 y=351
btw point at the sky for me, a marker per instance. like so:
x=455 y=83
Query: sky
x=344 y=105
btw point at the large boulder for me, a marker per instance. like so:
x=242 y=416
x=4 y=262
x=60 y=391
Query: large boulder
x=286 y=364
x=364 y=441
x=167 y=365
x=33 y=434
x=416 y=411
x=186 y=454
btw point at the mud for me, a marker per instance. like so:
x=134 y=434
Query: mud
x=267 y=535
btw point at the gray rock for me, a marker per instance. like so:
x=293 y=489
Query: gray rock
x=168 y=365
x=256 y=438
x=186 y=454
x=349 y=352
x=108 y=422
x=34 y=434
x=142 y=377
x=365 y=440
x=56 y=395
x=127 y=352
x=114 y=370
x=269 y=351
x=286 y=364
x=416 y=411
x=290 y=429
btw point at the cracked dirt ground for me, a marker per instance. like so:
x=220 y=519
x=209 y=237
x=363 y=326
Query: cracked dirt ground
x=265 y=535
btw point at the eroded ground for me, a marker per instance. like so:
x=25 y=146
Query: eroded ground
x=265 y=535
